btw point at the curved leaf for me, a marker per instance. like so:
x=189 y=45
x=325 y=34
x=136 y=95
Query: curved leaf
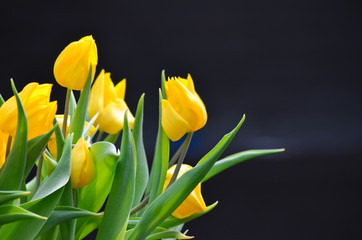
x=6 y=196
x=11 y=213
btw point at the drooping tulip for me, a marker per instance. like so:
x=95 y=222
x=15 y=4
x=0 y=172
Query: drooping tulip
x=52 y=144
x=82 y=171
x=183 y=111
x=194 y=203
x=39 y=110
x=73 y=64
x=108 y=100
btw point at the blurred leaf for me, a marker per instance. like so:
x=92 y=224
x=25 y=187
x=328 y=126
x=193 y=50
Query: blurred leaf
x=14 y=165
x=6 y=196
x=35 y=149
x=236 y=158
x=120 y=198
x=160 y=160
x=77 y=124
x=112 y=138
x=174 y=195
x=142 y=174
x=65 y=213
x=59 y=138
x=11 y=213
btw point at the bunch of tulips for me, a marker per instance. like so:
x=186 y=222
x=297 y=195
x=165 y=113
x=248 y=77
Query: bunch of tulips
x=64 y=176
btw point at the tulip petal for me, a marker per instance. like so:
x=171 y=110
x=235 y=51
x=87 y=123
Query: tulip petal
x=173 y=124
x=121 y=89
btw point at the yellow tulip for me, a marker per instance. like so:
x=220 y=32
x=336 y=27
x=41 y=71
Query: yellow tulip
x=52 y=144
x=108 y=100
x=72 y=65
x=183 y=111
x=3 y=144
x=82 y=171
x=39 y=110
x=194 y=203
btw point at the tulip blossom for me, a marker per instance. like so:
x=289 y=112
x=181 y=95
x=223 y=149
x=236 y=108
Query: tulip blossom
x=183 y=111
x=108 y=100
x=194 y=203
x=73 y=64
x=39 y=110
x=52 y=144
x=82 y=171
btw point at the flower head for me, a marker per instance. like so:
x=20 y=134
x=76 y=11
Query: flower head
x=108 y=100
x=194 y=203
x=183 y=111
x=39 y=110
x=82 y=171
x=72 y=65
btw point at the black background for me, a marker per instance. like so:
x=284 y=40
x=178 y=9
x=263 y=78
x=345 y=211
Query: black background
x=293 y=67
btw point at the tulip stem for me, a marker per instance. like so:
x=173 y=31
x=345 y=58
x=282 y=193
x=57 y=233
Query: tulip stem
x=185 y=147
x=66 y=110
x=99 y=137
x=176 y=155
x=75 y=198
x=8 y=146
x=140 y=205
x=38 y=173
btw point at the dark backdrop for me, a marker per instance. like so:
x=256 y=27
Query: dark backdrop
x=293 y=67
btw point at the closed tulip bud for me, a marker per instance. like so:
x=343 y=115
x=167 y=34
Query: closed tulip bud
x=82 y=171
x=52 y=143
x=183 y=111
x=194 y=203
x=108 y=100
x=39 y=110
x=73 y=64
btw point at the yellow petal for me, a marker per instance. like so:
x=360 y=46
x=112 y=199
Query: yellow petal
x=82 y=171
x=173 y=124
x=121 y=89
x=96 y=97
x=3 y=143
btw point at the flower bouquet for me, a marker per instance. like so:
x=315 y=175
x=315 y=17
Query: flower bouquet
x=84 y=180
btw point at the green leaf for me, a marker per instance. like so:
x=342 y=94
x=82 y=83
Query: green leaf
x=6 y=196
x=166 y=233
x=236 y=158
x=112 y=138
x=14 y=165
x=163 y=80
x=65 y=213
x=11 y=213
x=160 y=160
x=60 y=175
x=89 y=125
x=121 y=196
x=142 y=174
x=72 y=105
x=67 y=229
x=87 y=228
x=174 y=195
x=2 y=101
x=51 y=164
x=35 y=149
x=77 y=124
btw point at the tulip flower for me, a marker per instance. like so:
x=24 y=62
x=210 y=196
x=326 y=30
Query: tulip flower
x=52 y=144
x=39 y=110
x=73 y=64
x=82 y=171
x=108 y=100
x=3 y=144
x=194 y=203
x=183 y=111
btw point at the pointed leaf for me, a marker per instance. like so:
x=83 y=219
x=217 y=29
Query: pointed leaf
x=142 y=166
x=59 y=138
x=72 y=105
x=174 y=195
x=121 y=196
x=14 y=165
x=11 y=213
x=168 y=234
x=2 y=101
x=234 y=159
x=6 y=196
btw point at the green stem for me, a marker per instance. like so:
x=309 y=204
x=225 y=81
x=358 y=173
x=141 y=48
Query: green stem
x=66 y=109
x=99 y=137
x=176 y=155
x=38 y=173
x=140 y=205
x=8 y=146
x=75 y=197
x=185 y=147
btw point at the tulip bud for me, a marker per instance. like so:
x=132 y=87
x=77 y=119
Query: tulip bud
x=108 y=100
x=194 y=203
x=82 y=171
x=73 y=64
x=52 y=143
x=183 y=111
x=39 y=110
